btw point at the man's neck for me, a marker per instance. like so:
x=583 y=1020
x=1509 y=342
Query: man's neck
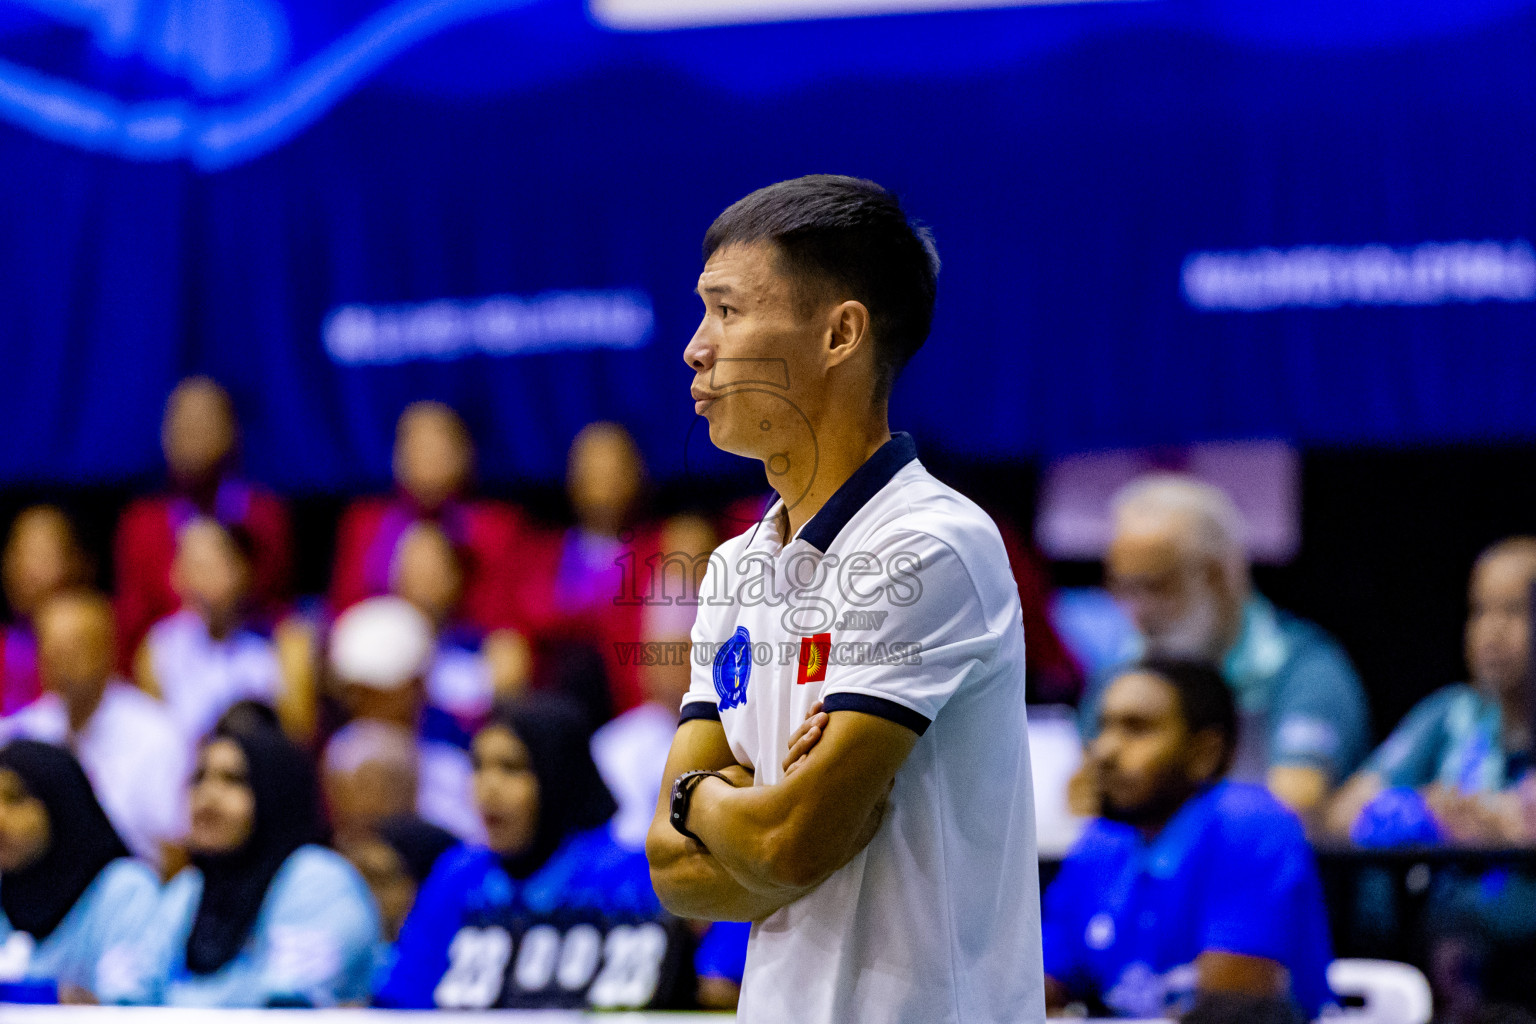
x=220 y=623
x=1515 y=710
x=1231 y=629
x=82 y=709
x=834 y=460
x=202 y=491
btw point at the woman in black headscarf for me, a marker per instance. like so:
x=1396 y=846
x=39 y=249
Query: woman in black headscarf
x=264 y=916
x=73 y=901
x=554 y=912
x=536 y=784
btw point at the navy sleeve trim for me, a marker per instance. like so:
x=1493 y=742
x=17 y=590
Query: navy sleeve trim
x=699 y=710
x=879 y=707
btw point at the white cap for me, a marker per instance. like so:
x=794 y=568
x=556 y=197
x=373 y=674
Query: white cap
x=381 y=643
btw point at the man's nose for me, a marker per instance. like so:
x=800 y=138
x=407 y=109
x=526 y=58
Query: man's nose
x=698 y=352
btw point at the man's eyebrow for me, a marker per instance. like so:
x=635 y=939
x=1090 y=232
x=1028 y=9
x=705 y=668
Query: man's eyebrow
x=713 y=289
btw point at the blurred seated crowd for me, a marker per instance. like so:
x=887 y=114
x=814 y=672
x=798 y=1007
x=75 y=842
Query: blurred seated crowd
x=430 y=786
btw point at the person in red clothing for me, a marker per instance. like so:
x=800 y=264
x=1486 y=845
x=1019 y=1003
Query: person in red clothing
x=43 y=557
x=200 y=436
x=1052 y=674
x=470 y=669
x=590 y=583
x=434 y=465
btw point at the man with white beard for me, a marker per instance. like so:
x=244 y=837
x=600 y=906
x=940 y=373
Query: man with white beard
x=1177 y=564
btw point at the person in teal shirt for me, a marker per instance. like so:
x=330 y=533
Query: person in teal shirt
x=1465 y=746
x=265 y=916
x=1456 y=771
x=1177 y=564
x=73 y=904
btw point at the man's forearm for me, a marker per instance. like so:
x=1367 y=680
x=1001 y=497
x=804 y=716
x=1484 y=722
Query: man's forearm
x=759 y=836
x=733 y=826
x=791 y=836
x=766 y=846
x=691 y=882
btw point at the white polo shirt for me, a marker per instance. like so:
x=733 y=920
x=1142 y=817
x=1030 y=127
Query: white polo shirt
x=895 y=600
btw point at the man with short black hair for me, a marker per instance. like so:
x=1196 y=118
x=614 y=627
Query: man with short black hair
x=852 y=768
x=1186 y=885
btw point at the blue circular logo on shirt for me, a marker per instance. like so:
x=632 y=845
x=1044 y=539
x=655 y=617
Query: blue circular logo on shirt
x=733 y=668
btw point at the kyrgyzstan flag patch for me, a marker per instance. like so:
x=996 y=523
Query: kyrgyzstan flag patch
x=815 y=651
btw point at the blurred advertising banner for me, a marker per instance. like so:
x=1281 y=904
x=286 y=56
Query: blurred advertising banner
x=1263 y=479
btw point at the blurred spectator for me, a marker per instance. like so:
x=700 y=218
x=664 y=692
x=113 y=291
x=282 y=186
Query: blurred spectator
x=468 y=670
x=1457 y=770
x=631 y=751
x=129 y=745
x=594 y=579
x=434 y=465
x=204 y=659
x=1187 y=884
x=42 y=557
x=381 y=650
x=1177 y=563
x=605 y=477
x=368 y=775
x=395 y=861
x=200 y=437
x=265 y=916
x=1051 y=674
x=552 y=875
x=74 y=904
x=1465 y=745
x=720 y=963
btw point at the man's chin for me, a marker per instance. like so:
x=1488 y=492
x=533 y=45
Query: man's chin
x=730 y=441
x=1177 y=648
x=1151 y=812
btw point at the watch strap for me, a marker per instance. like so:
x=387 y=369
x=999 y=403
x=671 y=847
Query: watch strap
x=682 y=798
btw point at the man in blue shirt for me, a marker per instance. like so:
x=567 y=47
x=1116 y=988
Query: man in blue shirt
x=1186 y=884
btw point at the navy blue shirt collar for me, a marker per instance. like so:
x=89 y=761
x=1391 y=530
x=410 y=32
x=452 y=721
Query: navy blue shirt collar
x=857 y=490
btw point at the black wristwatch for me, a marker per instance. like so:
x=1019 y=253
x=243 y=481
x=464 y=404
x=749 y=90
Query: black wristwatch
x=682 y=796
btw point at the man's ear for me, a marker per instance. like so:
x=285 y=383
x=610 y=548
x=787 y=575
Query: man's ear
x=847 y=331
x=1207 y=750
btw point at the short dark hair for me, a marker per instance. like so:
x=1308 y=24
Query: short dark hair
x=841 y=234
x=1204 y=698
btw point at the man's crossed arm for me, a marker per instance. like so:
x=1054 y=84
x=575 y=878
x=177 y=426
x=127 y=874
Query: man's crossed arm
x=763 y=847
